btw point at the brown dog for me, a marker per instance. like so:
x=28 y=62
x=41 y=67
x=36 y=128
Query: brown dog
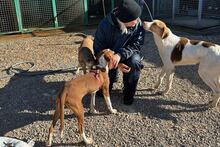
x=72 y=93
x=86 y=56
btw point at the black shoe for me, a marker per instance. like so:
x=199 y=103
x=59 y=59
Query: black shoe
x=128 y=102
x=128 y=98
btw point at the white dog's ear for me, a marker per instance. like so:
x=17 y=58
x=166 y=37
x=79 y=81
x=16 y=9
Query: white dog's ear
x=165 y=33
x=122 y=27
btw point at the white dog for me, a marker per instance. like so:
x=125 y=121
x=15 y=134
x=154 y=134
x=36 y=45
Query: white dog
x=12 y=142
x=175 y=50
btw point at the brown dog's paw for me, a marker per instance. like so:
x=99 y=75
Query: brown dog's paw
x=93 y=111
x=48 y=143
x=212 y=104
x=162 y=93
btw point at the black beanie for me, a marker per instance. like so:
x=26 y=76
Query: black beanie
x=128 y=10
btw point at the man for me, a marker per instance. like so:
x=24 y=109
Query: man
x=122 y=31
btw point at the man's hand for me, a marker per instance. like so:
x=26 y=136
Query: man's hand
x=124 y=68
x=115 y=60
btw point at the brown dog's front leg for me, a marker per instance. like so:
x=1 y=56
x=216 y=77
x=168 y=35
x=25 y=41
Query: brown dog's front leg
x=107 y=98
x=92 y=104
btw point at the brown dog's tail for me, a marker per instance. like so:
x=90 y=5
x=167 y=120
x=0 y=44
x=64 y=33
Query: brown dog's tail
x=83 y=36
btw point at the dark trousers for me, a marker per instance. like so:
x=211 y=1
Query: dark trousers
x=130 y=80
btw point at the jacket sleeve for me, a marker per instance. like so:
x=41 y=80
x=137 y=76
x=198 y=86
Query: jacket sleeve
x=100 y=39
x=133 y=45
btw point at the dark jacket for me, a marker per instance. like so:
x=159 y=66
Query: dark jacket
x=109 y=35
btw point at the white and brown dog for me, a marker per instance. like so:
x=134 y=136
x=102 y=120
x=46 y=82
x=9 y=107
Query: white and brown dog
x=86 y=56
x=73 y=92
x=175 y=50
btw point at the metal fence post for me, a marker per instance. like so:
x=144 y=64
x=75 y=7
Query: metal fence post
x=113 y=4
x=55 y=13
x=18 y=14
x=200 y=10
x=173 y=10
x=158 y=7
x=153 y=8
x=86 y=15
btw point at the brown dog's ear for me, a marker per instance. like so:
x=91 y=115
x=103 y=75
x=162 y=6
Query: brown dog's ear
x=100 y=53
x=108 y=55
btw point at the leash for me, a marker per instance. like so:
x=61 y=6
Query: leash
x=15 y=70
x=148 y=10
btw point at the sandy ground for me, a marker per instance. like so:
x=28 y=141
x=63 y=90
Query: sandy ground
x=27 y=102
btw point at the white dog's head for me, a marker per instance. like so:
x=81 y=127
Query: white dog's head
x=157 y=27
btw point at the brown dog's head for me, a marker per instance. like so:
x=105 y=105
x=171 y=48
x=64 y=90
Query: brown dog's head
x=157 y=27
x=104 y=60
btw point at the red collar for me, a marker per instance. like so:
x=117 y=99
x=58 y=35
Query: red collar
x=96 y=72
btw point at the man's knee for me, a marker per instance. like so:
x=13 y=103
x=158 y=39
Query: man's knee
x=135 y=62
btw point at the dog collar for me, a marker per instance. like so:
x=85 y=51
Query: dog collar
x=96 y=72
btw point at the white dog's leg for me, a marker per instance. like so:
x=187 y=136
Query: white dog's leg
x=169 y=78
x=109 y=105
x=216 y=94
x=92 y=104
x=160 y=79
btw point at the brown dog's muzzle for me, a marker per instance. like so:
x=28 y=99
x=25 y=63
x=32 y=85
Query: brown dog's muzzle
x=102 y=64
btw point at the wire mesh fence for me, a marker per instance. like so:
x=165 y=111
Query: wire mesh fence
x=37 y=13
x=197 y=14
x=29 y=15
x=211 y=9
x=69 y=12
x=8 y=19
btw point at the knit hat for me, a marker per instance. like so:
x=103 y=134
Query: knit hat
x=128 y=10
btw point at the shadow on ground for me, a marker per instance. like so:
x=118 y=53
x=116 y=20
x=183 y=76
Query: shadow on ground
x=155 y=106
x=25 y=98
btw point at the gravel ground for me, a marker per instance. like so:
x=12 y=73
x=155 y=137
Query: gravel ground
x=28 y=102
